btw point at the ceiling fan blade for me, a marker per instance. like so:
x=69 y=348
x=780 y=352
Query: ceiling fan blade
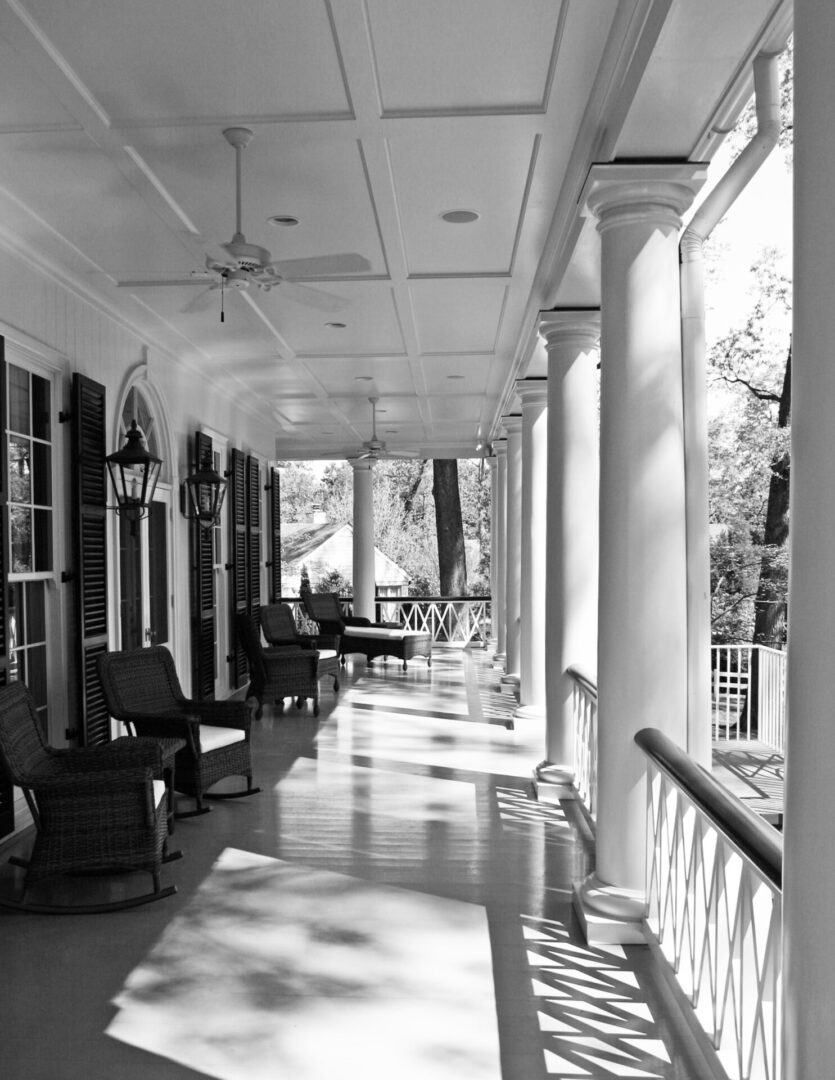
x=200 y=302
x=322 y=265
x=315 y=298
x=197 y=278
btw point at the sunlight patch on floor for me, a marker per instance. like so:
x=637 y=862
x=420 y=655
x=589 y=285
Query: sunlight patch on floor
x=378 y=792
x=274 y=970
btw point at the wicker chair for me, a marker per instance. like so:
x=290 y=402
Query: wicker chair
x=141 y=689
x=95 y=810
x=279 y=628
x=360 y=635
x=277 y=673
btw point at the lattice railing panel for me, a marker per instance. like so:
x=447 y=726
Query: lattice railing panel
x=717 y=920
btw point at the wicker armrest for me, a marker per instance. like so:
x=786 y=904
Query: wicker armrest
x=357 y=620
x=107 y=781
x=233 y=714
x=126 y=752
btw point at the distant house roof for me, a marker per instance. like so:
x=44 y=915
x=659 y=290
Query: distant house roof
x=300 y=538
x=330 y=546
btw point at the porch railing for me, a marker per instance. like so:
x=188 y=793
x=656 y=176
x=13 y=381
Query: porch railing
x=584 y=711
x=714 y=890
x=748 y=694
x=456 y=621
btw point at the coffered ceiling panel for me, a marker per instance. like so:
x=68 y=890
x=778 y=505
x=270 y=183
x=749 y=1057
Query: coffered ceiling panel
x=367 y=325
x=433 y=56
x=458 y=316
x=339 y=376
x=166 y=61
x=486 y=173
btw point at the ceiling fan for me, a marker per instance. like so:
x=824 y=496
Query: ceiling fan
x=247 y=265
x=375 y=448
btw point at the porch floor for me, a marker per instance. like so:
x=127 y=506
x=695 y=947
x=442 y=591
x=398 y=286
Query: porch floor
x=394 y=903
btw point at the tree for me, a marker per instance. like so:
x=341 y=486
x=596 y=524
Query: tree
x=452 y=564
x=750 y=460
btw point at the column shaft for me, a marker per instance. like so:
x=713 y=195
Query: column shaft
x=500 y=503
x=364 y=583
x=513 y=539
x=572 y=527
x=808 y=867
x=533 y=394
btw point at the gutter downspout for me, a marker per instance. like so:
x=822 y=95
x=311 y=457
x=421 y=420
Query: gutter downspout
x=694 y=392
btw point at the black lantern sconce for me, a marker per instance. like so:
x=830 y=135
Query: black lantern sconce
x=134 y=473
x=204 y=493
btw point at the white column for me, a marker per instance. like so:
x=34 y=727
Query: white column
x=499 y=596
x=494 y=540
x=364 y=583
x=808 y=866
x=533 y=395
x=642 y=638
x=571 y=554
x=513 y=540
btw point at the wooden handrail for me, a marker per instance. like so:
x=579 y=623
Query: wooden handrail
x=755 y=840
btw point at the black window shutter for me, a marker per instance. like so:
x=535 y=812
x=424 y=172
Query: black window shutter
x=238 y=593
x=202 y=592
x=253 y=523
x=275 y=535
x=6 y=789
x=90 y=554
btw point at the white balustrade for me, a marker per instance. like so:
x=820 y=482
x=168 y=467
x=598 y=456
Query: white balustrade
x=715 y=911
x=734 y=716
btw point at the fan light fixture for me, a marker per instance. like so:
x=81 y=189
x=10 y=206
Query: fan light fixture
x=133 y=473
x=205 y=490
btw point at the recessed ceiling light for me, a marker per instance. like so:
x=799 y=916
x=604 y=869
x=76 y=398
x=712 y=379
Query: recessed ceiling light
x=336 y=325
x=286 y=220
x=390 y=431
x=363 y=378
x=459 y=217
x=455 y=376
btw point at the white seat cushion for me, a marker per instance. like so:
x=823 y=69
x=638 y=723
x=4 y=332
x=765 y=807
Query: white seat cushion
x=327 y=654
x=159 y=791
x=213 y=738
x=384 y=633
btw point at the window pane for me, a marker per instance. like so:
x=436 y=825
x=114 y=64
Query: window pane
x=35 y=612
x=20 y=470
x=21 y=536
x=41 y=474
x=43 y=539
x=36 y=673
x=41 y=418
x=18 y=400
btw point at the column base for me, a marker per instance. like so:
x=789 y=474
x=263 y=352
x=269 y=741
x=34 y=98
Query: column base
x=529 y=712
x=509 y=685
x=608 y=915
x=553 y=783
x=498 y=660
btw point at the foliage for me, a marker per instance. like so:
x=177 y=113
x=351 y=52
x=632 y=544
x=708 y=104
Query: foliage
x=749 y=436
x=404 y=513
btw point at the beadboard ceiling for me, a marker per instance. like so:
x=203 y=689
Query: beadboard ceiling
x=370 y=119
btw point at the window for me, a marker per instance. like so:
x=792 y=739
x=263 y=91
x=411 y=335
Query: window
x=29 y=435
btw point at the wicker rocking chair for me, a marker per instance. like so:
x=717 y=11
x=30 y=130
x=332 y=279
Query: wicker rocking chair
x=277 y=673
x=95 y=811
x=141 y=689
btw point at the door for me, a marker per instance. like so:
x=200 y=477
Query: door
x=145 y=595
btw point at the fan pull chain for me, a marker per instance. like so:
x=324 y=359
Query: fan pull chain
x=222 y=289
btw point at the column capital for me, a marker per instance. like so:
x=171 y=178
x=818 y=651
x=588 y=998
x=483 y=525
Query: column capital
x=361 y=463
x=570 y=326
x=532 y=392
x=512 y=423
x=500 y=448
x=649 y=192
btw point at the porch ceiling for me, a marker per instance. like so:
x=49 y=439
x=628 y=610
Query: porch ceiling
x=371 y=118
